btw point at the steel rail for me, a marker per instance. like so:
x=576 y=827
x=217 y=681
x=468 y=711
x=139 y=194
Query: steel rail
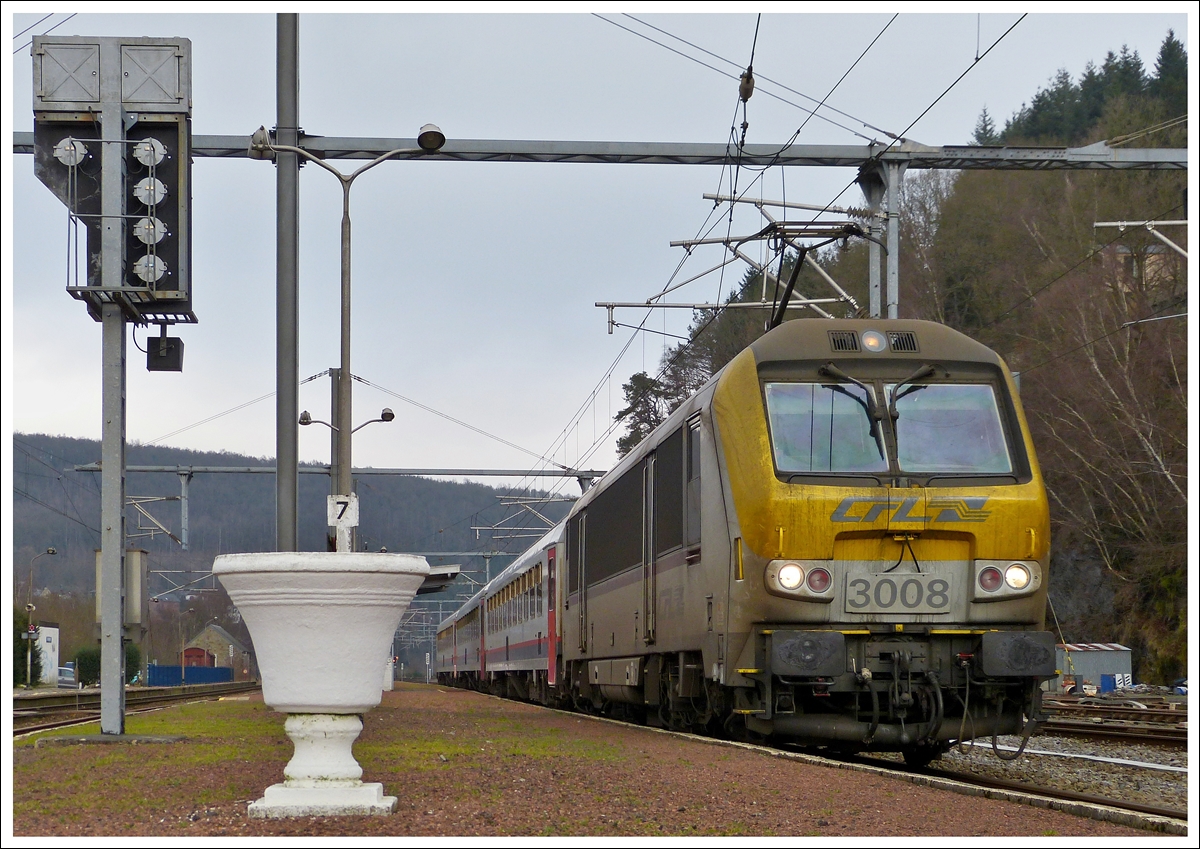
x=1018 y=787
x=1169 y=735
x=38 y=704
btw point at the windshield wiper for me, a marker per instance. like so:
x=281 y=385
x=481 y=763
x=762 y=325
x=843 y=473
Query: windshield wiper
x=923 y=371
x=874 y=416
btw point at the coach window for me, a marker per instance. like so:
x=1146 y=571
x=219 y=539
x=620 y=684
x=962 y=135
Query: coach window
x=692 y=521
x=669 y=484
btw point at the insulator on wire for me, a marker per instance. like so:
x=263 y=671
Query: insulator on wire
x=746 y=86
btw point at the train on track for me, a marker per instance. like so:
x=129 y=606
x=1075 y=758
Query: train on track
x=842 y=541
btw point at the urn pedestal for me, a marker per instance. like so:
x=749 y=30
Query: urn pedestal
x=322 y=626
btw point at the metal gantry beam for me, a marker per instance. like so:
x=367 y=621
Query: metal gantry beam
x=1097 y=156
x=586 y=474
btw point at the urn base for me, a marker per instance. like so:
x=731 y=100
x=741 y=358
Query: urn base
x=322 y=799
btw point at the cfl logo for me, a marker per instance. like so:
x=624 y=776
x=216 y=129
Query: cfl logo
x=869 y=509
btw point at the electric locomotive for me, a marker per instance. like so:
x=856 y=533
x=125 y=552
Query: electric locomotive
x=841 y=540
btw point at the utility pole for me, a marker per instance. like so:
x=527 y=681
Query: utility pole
x=287 y=283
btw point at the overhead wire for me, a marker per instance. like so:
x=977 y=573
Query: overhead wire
x=716 y=312
x=1091 y=253
x=47 y=32
x=702 y=230
x=54 y=509
x=31 y=26
x=776 y=82
x=451 y=418
x=1113 y=332
x=900 y=137
x=730 y=76
x=58 y=478
x=1154 y=128
x=234 y=409
x=957 y=80
x=745 y=90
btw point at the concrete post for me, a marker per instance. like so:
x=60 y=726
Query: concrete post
x=287 y=262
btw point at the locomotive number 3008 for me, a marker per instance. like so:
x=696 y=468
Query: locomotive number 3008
x=898 y=594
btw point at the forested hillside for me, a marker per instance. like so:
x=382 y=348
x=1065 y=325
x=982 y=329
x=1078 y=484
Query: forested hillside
x=1093 y=319
x=55 y=506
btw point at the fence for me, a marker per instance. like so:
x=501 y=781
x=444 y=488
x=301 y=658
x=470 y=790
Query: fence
x=172 y=676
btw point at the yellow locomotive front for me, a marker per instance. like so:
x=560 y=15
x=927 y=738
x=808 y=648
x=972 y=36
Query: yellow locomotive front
x=891 y=541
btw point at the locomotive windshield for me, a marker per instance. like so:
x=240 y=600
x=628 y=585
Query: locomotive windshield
x=822 y=428
x=951 y=428
x=939 y=428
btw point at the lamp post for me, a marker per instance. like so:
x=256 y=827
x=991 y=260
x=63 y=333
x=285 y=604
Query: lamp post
x=29 y=608
x=429 y=139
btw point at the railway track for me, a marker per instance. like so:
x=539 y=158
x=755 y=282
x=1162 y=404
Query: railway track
x=1153 y=720
x=1022 y=787
x=31 y=711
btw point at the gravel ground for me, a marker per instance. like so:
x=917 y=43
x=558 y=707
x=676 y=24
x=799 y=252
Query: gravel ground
x=1163 y=788
x=466 y=764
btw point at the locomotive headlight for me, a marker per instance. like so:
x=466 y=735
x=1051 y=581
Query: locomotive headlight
x=874 y=341
x=790 y=576
x=1016 y=576
x=1004 y=580
x=801 y=580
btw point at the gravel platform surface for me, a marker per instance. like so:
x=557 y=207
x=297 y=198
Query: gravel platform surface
x=466 y=764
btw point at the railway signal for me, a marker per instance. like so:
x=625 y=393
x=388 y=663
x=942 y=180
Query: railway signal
x=112 y=141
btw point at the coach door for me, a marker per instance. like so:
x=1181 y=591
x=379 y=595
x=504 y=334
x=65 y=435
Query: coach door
x=648 y=554
x=582 y=577
x=551 y=616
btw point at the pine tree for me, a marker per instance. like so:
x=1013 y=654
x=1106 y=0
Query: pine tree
x=1123 y=73
x=646 y=410
x=985 y=130
x=1170 y=76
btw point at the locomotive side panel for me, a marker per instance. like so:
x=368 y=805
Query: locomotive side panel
x=647 y=556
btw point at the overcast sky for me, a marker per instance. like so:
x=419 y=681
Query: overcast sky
x=474 y=283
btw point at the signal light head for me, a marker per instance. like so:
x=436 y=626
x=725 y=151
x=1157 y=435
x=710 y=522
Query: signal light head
x=150 y=269
x=149 y=152
x=150 y=231
x=70 y=152
x=150 y=191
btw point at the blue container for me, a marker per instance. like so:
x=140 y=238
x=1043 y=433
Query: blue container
x=1108 y=683
x=170 y=676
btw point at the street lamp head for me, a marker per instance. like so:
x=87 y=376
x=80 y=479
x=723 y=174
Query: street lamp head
x=52 y=550
x=29 y=608
x=387 y=415
x=431 y=138
x=305 y=418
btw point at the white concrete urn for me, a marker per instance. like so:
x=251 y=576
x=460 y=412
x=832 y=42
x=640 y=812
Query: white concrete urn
x=322 y=625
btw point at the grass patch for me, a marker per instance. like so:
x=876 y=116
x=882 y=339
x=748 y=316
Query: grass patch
x=226 y=748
